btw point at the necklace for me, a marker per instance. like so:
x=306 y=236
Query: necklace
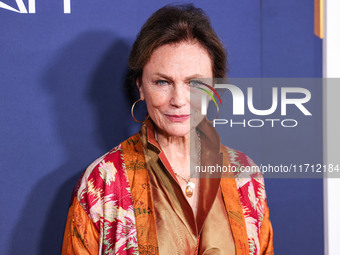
x=189 y=189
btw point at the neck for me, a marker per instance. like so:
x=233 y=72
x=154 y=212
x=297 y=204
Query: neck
x=180 y=150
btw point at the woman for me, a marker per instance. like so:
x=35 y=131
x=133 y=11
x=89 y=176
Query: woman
x=139 y=197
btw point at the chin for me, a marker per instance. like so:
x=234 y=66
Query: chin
x=178 y=130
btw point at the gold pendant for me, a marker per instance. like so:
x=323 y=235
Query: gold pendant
x=189 y=190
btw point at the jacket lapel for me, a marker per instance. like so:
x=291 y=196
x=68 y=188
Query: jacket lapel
x=141 y=195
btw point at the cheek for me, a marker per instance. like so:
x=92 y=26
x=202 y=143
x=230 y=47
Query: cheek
x=156 y=99
x=195 y=100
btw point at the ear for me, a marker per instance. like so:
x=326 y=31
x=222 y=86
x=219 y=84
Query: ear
x=140 y=88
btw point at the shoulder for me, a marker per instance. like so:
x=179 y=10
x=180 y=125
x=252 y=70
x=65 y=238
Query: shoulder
x=103 y=192
x=241 y=163
x=237 y=157
x=248 y=177
x=104 y=167
x=105 y=178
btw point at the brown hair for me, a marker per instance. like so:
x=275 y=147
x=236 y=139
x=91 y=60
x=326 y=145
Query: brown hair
x=173 y=24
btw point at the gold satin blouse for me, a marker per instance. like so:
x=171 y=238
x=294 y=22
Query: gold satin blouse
x=178 y=230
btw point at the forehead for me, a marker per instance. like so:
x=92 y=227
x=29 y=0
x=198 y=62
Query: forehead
x=180 y=59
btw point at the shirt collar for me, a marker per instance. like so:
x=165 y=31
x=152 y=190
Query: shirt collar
x=210 y=156
x=209 y=136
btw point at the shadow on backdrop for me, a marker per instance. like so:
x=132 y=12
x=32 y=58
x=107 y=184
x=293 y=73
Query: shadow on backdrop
x=85 y=83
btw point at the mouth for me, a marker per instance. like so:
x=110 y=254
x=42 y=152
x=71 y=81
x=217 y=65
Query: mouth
x=178 y=118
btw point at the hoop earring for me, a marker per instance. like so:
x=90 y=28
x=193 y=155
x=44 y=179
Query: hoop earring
x=133 y=116
x=218 y=110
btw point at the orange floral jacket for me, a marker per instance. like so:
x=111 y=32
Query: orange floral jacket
x=102 y=220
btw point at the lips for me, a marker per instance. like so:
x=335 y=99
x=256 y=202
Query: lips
x=178 y=118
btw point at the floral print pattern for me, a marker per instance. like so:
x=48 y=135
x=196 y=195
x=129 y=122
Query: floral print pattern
x=252 y=196
x=105 y=195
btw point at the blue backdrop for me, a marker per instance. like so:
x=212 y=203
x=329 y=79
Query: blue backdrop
x=63 y=104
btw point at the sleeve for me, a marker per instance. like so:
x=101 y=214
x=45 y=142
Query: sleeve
x=266 y=234
x=81 y=236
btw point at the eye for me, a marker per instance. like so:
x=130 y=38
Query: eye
x=196 y=83
x=162 y=82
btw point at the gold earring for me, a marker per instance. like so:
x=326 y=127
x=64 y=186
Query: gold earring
x=133 y=116
x=218 y=110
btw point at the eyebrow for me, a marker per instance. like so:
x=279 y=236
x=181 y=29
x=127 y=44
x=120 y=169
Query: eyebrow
x=191 y=77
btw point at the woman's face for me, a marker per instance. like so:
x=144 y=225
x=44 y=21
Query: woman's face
x=166 y=83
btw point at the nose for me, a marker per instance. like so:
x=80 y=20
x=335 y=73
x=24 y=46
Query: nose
x=180 y=95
